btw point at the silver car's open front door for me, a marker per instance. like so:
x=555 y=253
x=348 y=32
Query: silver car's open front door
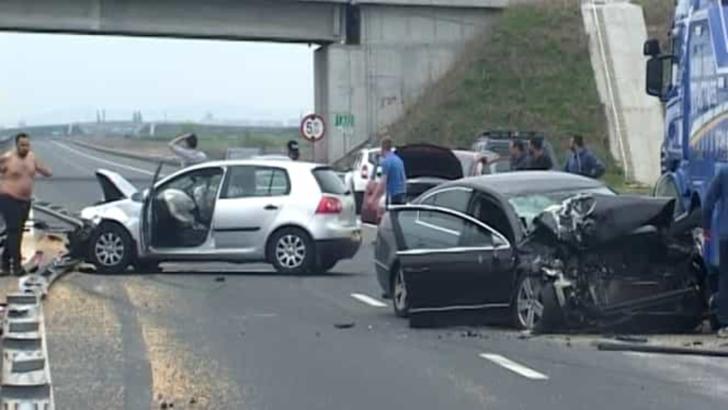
x=147 y=216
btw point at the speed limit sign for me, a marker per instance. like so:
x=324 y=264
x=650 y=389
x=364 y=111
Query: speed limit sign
x=313 y=127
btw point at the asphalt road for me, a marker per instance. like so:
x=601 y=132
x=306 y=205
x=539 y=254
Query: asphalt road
x=242 y=337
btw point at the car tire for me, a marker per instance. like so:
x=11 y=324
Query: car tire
x=291 y=251
x=327 y=264
x=358 y=199
x=527 y=301
x=112 y=249
x=400 y=300
x=553 y=318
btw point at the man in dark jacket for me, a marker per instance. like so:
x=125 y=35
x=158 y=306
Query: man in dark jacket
x=540 y=160
x=293 y=151
x=717 y=196
x=582 y=161
x=519 y=159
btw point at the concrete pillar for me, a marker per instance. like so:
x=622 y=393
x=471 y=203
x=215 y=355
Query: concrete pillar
x=361 y=89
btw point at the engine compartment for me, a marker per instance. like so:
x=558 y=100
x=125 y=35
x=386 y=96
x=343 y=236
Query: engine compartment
x=603 y=269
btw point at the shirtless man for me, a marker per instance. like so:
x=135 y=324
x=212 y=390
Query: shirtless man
x=18 y=169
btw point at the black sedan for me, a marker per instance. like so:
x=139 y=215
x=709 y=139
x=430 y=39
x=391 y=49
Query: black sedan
x=455 y=247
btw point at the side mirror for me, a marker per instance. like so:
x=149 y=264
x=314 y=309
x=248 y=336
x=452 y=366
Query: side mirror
x=658 y=76
x=651 y=48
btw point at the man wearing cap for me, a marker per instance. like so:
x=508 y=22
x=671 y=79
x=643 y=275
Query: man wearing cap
x=293 y=152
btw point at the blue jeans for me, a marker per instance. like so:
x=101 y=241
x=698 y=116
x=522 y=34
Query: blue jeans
x=722 y=299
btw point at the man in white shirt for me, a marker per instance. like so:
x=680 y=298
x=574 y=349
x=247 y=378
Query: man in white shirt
x=188 y=155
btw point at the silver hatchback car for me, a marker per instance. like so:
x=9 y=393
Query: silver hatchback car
x=298 y=216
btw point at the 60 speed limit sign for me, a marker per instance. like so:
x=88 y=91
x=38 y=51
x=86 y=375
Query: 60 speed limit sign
x=313 y=127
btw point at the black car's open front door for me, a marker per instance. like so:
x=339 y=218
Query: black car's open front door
x=451 y=261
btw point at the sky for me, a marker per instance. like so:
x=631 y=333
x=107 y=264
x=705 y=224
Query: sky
x=50 y=78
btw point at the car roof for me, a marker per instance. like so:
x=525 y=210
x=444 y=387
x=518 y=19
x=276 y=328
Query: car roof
x=281 y=163
x=520 y=182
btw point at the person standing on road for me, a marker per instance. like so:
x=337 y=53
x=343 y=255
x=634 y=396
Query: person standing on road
x=18 y=169
x=519 y=159
x=540 y=160
x=188 y=155
x=394 y=177
x=293 y=151
x=717 y=196
x=582 y=161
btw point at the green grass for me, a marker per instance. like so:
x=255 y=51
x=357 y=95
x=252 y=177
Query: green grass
x=532 y=72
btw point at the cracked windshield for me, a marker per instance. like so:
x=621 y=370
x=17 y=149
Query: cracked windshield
x=337 y=204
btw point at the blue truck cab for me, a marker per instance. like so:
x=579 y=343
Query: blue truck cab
x=692 y=81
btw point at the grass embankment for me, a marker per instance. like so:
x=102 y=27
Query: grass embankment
x=530 y=71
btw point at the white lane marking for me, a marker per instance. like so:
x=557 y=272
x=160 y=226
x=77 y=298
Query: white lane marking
x=104 y=161
x=514 y=367
x=368 y=300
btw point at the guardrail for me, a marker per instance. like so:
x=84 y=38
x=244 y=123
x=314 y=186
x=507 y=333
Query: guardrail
x=121 y=153
x=26 y=377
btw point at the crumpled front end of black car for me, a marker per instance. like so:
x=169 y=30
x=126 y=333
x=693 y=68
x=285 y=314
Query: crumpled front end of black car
x=617 y=262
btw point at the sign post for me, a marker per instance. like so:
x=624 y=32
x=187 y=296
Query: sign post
x=313 y=129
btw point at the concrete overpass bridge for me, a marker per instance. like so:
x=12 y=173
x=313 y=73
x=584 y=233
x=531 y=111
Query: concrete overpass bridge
x=375 y=57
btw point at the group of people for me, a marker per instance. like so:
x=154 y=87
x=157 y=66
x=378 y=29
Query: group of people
x=580 y=161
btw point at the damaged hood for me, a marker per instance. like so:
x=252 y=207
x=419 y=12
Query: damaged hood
x=591 y=219
x=114 y=186
x=427 y=160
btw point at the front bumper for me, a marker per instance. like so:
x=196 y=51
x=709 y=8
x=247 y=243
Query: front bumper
x=337 y=249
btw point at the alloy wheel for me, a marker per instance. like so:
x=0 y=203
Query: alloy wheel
x=290 y=251
x=109 y=249
x=528 y=304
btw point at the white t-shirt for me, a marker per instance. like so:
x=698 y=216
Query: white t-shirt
x=189 y=156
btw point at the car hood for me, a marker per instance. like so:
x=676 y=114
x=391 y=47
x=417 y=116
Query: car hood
x=114 y=186
x=593 y=219
x=427 y=160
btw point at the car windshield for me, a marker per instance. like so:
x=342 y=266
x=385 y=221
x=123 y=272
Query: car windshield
x=528 y=206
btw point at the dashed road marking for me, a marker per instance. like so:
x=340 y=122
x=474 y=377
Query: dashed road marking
x=104 y=161
x=514 y=367
x=368 y=300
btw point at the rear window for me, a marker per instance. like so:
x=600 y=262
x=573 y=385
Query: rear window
x=329 y=181
x=373 y=157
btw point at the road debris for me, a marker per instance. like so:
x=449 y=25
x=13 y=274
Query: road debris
x=344 y=325
x=220 y=279
x=646 y=348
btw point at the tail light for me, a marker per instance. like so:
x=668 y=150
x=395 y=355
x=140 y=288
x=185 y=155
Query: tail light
x=329 y=205
x=364 y=172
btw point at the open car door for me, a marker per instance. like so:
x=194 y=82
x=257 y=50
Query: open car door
x=147 y=215
x=451 y=261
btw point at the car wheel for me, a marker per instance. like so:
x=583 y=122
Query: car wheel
x=527 y=306
x=400 y=300
x=291 y=251
x=112 y=249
